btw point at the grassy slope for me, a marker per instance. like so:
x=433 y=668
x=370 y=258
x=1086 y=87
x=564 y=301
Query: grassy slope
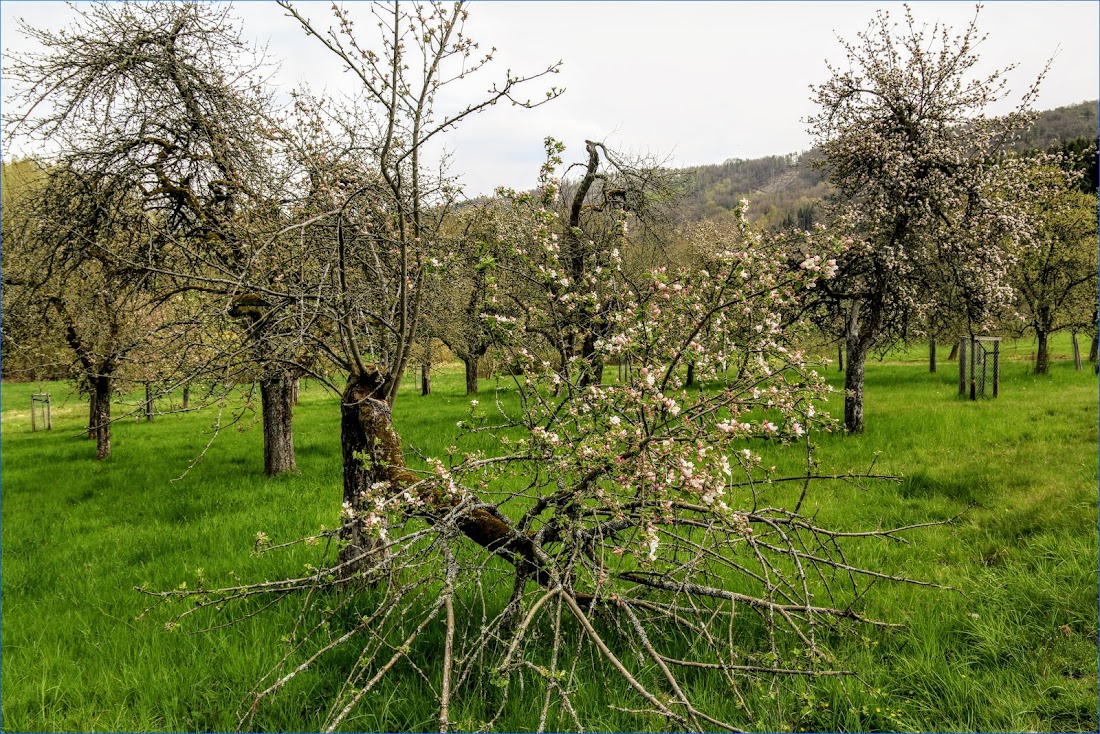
x=1015 y=649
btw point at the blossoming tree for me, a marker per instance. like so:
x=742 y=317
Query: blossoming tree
x=907 y=142
x=1055 y=275
x=372 y=223
x=635 y=522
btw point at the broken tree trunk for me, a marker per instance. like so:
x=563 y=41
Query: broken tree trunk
x=374 y=462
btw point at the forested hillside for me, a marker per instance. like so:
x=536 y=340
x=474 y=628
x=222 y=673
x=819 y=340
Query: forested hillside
x=785 y=190
x=1061 y=125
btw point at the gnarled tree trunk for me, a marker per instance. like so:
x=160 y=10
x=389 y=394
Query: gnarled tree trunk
x=277 y=401
x=372 y=454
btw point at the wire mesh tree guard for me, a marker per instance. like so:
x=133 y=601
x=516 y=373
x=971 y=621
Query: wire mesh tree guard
x=40 y=405
x=983 y=370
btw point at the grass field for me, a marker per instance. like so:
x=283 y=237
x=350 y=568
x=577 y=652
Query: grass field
x=1014 y=649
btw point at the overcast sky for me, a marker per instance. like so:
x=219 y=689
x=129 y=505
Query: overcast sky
x=696 y=82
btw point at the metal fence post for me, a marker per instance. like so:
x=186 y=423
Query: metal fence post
x=962 y=366
x=996 y=367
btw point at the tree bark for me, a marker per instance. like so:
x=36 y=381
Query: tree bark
x=101 y=415
x=954 y=352
x=853 y=388
x=92 y=416
x=471 y=373
x=690 y=375
x=1076 y=353
x=186 y=397
x=932 y=355
x=1093 y=348
x=372 y=454
x=277 y=400
x=857 y=344
x=591 y=365
x=962 y=349
x=295 y=389
x=1042 y=359
x=425 y=379
x=840 y=357
x=486 y=368
x=149 y=401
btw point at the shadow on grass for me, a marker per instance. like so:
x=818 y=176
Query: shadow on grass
x=966 y=488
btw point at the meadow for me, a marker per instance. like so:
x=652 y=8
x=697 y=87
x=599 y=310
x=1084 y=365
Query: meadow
x=1012 y=648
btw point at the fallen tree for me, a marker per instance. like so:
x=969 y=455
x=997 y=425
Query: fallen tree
x=626 y=525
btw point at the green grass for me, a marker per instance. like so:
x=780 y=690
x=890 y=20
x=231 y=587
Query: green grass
x=1014 y=649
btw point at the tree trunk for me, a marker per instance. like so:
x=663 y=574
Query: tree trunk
x=591 y=365
x=425 y=379
x=277 y=400
x=295 y=389
x=372 y=455
x=1042 y=359
x=593 y=374
x=853 y=388
x=92 y=415
x=1093 y=348
x=857 y=345
x=471 y=373
x=395 y=387
x=962 y=349
x=1076 y=352
x=186 y=397
x=149 y=401
x=690 y=375
x=932 y=356
x=840 y=357
x=954 y=352
x=101 y=415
